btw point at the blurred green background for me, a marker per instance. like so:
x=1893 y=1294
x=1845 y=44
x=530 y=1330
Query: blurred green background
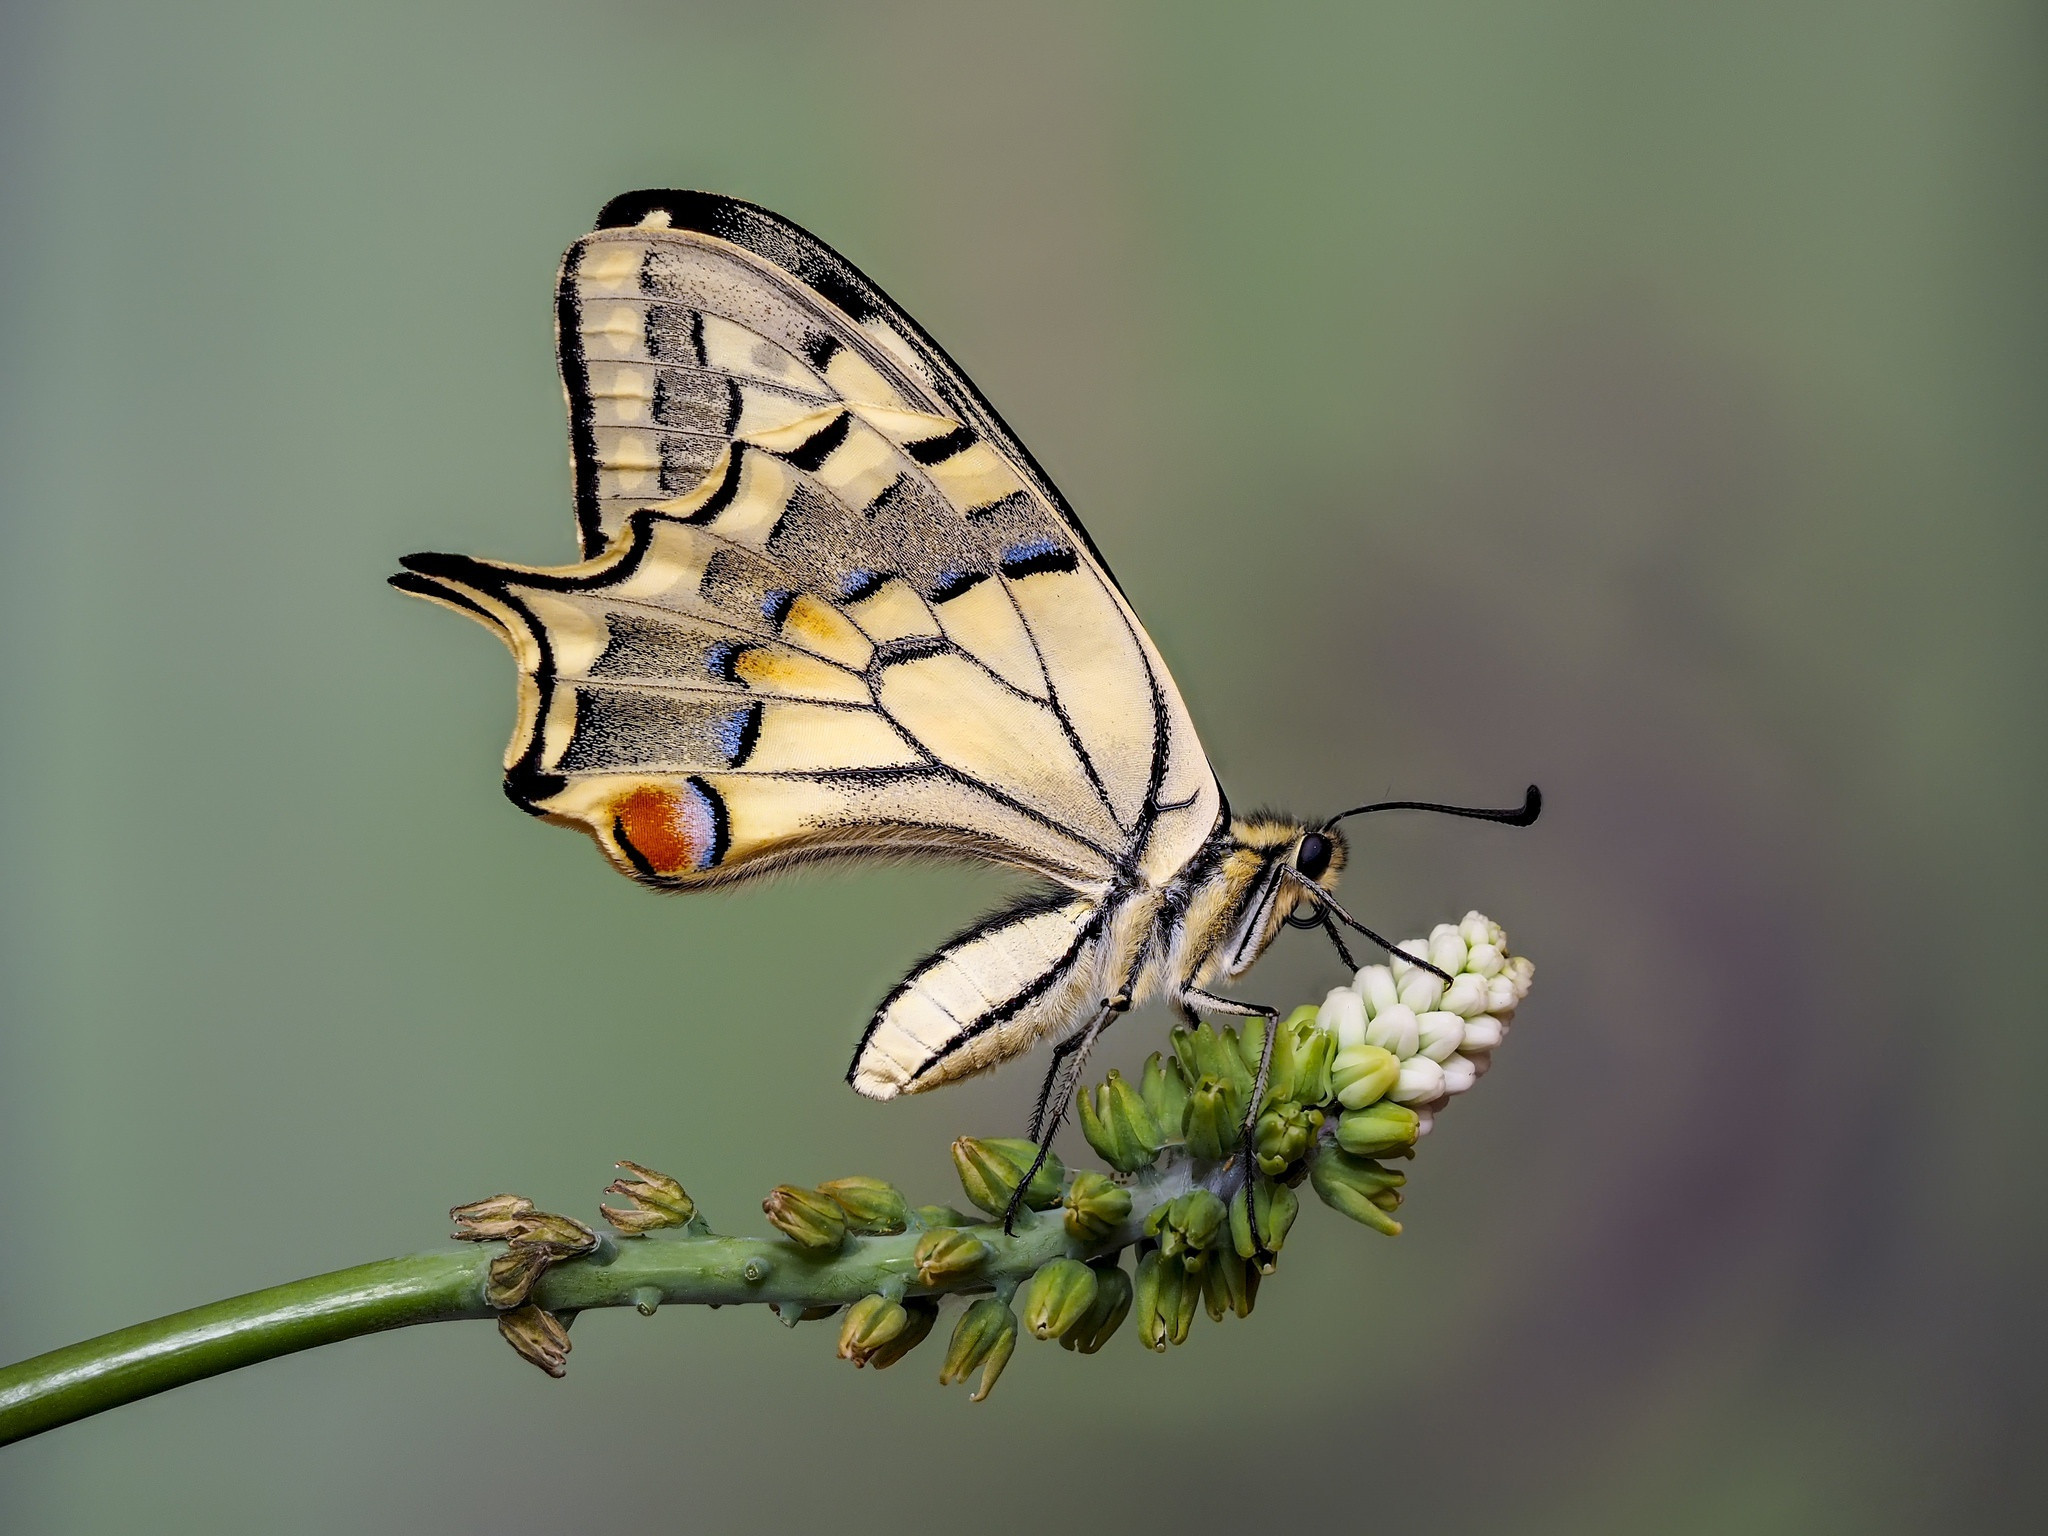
x=1643 y=400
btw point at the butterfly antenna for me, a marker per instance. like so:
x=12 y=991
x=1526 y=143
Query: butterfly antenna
x=1330 y=906
x=1522 y=815
x=1337 y=939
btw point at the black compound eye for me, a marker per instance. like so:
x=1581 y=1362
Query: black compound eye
x=1313 y=856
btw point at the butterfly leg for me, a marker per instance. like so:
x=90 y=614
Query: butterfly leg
x=1189 y=1000
x=1062 y=1077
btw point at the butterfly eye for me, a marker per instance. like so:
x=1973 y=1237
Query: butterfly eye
x=1313 y=856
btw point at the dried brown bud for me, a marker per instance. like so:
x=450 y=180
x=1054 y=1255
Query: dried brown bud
x=497 y=1219
x=658 y=1201
x=538 y=1336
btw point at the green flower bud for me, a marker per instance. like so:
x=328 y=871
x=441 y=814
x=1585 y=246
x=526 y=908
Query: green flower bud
x=1165 y=1091
x=1118 y=1126
x=1112 y=1305
x=1096 y=1207
x=1201 y=1216
x=1276 y=1206
x=1363 y=1073
x=945 y=1253
x=1348 y=1185
x=658 y=1201
x=1214 y=1119
x=1312 y=1067
x=1188 y=1301
x=869 y=1204
x=983 y=1338
x=1377 y=1129
x=806 y=1217
x=1188 y=1225
x=990 y=1168
x=870 y=1323
x=1292 y=1041
x=1249 y=1043
x=1057 y=1297
x=929 y=1216
x=1284 y=1135
x=1229 y=1284
x=1155 y=1299
x=1204 y=1053
x=919 y=1313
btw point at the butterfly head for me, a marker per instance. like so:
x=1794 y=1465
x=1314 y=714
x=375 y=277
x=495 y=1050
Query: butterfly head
x=1272 y=863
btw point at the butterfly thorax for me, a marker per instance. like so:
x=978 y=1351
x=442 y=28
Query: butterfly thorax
x=1229 y=903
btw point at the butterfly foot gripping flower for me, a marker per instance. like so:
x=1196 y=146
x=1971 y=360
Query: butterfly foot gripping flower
x=990 y=1171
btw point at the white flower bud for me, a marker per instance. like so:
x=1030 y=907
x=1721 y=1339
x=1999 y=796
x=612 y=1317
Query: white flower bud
x=1393 y=1029
x=1342 y=1016
x=1501 y=996
x=1521 y=970
x=1466 y=996
x=1459 y=1073
x=1478 y=929
x=1422 y=990
x=1438 y=1034
x=1376 y=985
x=1427 y=1122
x=1447 y=950
x=1481 y=1034
x=1421 y=1081
x=1406 y=953
x=1483 y=960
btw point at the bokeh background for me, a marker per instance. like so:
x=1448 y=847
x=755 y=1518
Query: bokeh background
x=1644 y=400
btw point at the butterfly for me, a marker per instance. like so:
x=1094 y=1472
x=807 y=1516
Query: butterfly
x=829 y=607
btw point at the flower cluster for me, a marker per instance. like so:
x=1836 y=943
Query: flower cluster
x=1437 y=1038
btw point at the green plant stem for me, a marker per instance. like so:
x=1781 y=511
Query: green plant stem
x=116 y=1368
x=684 y=1267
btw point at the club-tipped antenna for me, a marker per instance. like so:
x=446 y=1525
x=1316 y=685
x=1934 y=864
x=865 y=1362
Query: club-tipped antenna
x=1520 y=816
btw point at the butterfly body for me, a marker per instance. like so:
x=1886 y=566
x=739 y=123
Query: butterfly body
x=829 y=607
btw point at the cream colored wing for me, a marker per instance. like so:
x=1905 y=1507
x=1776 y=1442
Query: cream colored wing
x=830 y=606
x=988 y=995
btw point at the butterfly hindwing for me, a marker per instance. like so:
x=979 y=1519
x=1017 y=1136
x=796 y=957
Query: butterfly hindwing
x=989 y=994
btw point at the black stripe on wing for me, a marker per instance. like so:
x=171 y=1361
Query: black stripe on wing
x=804 y=256
x=1031 y=904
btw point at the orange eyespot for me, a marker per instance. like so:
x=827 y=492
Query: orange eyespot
x=665 y=832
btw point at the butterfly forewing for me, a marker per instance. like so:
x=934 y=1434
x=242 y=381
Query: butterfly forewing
x=829 y=606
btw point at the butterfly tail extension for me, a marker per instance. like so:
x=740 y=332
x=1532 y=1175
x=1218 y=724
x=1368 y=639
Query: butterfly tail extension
x=1022 y=974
